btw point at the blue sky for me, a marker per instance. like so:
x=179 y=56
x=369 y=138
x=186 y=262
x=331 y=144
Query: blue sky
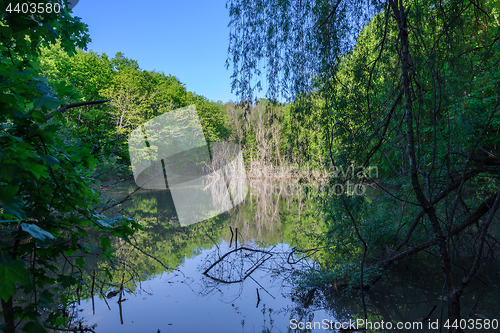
x=187 y=39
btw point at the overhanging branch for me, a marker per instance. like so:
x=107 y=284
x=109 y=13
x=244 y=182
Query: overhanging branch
x=66 y=107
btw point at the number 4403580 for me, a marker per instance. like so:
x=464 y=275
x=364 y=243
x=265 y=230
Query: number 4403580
x=34 y=8
x=472 y=324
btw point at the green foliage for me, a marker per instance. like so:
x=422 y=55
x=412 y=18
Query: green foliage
x=411 y=87
x=36 y=231
x=11 y=273
x=46 y=196
x=135 y=96
x=293 y=42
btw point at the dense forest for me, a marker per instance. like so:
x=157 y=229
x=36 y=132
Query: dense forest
x=410 y=89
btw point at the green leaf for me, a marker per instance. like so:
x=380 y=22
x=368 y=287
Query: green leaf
x=6 y=221
x=50 y=160
x=8 y=192
x=65 y=280
x=38 y=116
x=105 y=243
x=108 y=273
x=65 y=301
x=11 y=273
x=14 y=209
x=14 y=206
x=16 y=138
x=79 y=262
x=47 y=101
x=36 y=231
x=47 y=297
x=38 y=170
x=34 y=327
x=110 y=222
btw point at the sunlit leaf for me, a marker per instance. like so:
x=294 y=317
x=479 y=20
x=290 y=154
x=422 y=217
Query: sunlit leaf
x=36 y=231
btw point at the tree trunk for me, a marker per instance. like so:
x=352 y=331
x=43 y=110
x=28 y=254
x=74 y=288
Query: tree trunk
x=453 y=296
x=8 y=314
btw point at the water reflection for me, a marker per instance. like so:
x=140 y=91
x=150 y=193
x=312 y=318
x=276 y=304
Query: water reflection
x=243 y=271
x=170 y=151
x=244 y=246
x=186 y=300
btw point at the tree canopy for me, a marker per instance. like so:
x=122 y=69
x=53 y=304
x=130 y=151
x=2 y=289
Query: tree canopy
x=47 y=199
x=409 y=86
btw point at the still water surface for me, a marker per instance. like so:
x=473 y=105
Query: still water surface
x=176 y=296
x=182 y=298
x=182 y=301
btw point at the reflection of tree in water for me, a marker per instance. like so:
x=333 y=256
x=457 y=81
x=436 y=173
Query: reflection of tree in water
x=265 y=196
x=253 y=223
x=236 y=265
x=273 y=211
x=264 y=206
x=164 y=244
x=413 y=295
x=391 y=301
x=226 y=268
x=268 y=199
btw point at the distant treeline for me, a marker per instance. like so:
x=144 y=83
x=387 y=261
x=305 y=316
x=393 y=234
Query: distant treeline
x=264 y=129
